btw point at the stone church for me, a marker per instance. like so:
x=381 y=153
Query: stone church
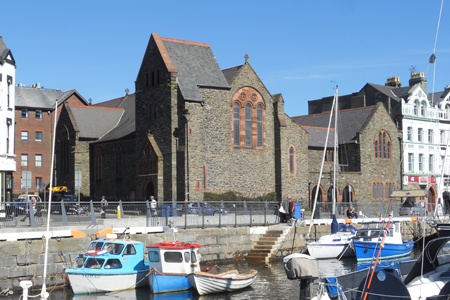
x=188 y=129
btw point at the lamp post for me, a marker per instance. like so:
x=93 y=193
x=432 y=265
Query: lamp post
x=187 y=116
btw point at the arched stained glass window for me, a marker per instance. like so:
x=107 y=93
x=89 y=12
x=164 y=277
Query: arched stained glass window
x=259 y=126
x=248 y=126
x=382 y=146
x=236 y=119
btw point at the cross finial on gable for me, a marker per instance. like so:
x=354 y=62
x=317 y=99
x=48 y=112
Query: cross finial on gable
x=246 y=58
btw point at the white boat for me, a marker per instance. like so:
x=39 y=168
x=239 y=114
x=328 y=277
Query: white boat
x=206 y=283
x=333 y=245
x=432 y=276
x=108 y=265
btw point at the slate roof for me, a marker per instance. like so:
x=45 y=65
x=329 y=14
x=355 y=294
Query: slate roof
x=3 y=48
x=318 y=135
x=196 y=66
x=94 y=122
x=390 y=91
x=32 y=97
x=350 y=122
x=230 y=73
x=126 y=127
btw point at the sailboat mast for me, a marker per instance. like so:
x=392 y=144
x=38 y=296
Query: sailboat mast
x=335 y=149
x=321 y=168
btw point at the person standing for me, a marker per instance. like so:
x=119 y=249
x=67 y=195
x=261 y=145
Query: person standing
x=282 y=213
x=153 y=206
x=104 y=206
x=185 y=206
x=291 y=208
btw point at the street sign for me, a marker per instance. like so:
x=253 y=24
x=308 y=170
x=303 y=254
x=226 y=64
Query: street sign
x=77 y=179
x=26 y=180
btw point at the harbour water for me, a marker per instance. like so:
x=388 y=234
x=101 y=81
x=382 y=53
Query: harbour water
x=271 y=283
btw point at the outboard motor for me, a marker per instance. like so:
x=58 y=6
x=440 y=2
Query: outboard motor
x=304 y=268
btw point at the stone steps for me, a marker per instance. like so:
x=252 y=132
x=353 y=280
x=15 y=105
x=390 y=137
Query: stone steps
x=268 y=245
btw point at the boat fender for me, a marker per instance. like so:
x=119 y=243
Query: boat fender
x=95 y=252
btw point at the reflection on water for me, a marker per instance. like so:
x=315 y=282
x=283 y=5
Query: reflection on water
x=271 y=283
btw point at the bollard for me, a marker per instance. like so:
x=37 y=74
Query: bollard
x=118 y=211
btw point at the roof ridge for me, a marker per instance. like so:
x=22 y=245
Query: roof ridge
x=316 y=127
x=184 y=42
x=113 y=99
x=98 y=107
x=342 y=110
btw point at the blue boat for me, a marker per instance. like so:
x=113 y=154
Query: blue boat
x=368 y=240
x=170 y=263
x=109 y=265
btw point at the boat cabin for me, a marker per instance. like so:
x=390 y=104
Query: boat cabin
x=112 y=253
x=375 y=230
x=174 y=258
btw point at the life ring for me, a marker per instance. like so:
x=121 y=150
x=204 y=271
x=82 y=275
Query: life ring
x=95 y=252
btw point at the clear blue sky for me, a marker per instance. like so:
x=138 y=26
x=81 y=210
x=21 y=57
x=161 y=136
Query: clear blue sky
x=301 y=49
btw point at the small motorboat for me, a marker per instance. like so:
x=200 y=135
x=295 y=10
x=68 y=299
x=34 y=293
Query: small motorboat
x=334 y=245
x=206 y=283
x=369 y=238
x=109 y=265
x=170 y=263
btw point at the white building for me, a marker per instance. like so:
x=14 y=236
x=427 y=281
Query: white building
x=7 y=103
x=425 y=128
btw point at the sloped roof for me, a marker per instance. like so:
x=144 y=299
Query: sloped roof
x=390 y=91
x=196 y=66
x=126 y=127
x=318 y=135
x=350 y=122
x=4 y=52
x=230 y=73
x=94 y=122
x=33 y=97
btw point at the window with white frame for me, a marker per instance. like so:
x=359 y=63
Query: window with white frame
x=431 y=163
x=416 y=107
x=430 y=136
x=420 y=162
x=411 y=162
x=420 y=135
x=409 y=134
x=38 y=160
x=24 y=160
x=442 y=136
x=24 y=135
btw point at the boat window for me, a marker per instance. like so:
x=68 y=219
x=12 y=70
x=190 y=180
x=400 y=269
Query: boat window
x=113 y=248
x=362 y=233
x=129 y=250
x=193 y=257
x=95 y=263
x=79 y=261
x=95 y=246
x=443 y=255
x=153 y=256
x=113 y=264
x=186 y=257
x=173 y=257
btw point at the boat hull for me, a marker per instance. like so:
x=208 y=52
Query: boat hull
x=84 y=283
x=165 y=283
x=322 y=251
x=365 y=250
x=209 y=284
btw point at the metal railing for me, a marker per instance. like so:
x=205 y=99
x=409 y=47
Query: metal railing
x=192 y=214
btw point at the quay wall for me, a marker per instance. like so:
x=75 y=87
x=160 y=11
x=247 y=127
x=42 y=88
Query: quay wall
x=24 y=259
